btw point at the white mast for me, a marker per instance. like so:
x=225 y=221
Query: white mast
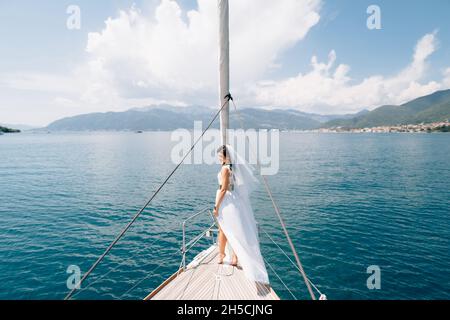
x=224 y=64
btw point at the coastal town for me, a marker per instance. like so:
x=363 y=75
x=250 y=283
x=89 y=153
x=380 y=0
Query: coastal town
x=410 y=128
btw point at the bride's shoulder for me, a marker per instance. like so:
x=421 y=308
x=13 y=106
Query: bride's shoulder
x=225 y=169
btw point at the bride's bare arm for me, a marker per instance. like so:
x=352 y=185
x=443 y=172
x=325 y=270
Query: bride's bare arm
x=223 y=190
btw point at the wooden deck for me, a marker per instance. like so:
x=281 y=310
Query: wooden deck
x=204 y=279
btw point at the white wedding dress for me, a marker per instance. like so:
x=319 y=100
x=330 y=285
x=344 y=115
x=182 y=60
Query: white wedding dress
x=237 y=221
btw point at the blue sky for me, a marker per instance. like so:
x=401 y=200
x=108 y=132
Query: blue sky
x=35 y=44
x=375 y=51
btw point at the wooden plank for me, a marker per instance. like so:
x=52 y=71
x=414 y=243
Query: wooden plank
x=164 y=284
x=206 y=280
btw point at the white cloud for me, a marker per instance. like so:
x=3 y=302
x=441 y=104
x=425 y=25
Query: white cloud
x=329 y=88
x=166 y=55
x=170 y=56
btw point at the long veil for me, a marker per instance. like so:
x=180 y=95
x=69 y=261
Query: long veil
x=238 y=221
x=245 y=180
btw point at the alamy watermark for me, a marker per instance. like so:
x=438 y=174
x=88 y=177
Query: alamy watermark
x=374 y=280
x=260 y=148
x=374 y=19
x=73 y=281
x=74 y=20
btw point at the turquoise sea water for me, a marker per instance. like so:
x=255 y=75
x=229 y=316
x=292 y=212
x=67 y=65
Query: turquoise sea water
x=351 y=201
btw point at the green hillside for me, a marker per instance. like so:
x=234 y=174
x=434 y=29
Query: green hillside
x=428 y=109
x=8 y=130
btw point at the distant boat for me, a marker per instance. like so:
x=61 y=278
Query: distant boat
x=139 y=131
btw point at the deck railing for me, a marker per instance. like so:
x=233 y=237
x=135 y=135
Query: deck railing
x=209 y=232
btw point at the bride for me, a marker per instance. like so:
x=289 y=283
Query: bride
x=238 y=231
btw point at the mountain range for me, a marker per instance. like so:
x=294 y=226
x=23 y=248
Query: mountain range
x=427 y=109
x=166 y=117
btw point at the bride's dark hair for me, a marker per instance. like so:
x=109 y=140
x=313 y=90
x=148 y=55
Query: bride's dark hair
x=223 y=150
